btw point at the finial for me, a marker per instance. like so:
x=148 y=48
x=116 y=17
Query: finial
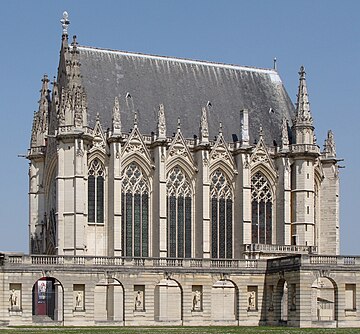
x=302 y=72
x=65 y=22
x=275 y=65
x=261 y=133
x=97 y=117
x=135 y=119
x=220 y=128
x=178 y=123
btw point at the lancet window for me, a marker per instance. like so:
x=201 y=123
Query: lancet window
x=179 y=208
x=261 y=208
x=96 y=178
x=221 y=216
x=135 y=212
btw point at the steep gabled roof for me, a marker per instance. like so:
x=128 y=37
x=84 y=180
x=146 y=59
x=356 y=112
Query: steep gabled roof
x=143 y=82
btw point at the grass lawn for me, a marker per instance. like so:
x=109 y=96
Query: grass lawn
x=174 y=330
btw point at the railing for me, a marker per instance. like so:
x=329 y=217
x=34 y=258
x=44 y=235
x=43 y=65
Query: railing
x=304 y=148
x=335 y=260
x=286 y=249
x=148 y=262
x=187 y=263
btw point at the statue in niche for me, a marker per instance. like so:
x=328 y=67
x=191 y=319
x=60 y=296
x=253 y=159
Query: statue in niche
x=13 y=299
x=139 y=305
x=197 y=301
x=79 y=300
x=251 y=300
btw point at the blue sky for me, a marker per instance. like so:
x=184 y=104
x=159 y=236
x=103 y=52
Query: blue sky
x=322 y=35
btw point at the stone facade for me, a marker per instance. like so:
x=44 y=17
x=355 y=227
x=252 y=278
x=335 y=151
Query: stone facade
x=132 y=226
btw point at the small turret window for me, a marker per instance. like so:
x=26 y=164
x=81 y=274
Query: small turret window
x=96 y=192
x=261 y=207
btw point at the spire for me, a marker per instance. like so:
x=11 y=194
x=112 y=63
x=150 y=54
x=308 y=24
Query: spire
x=34 y=130
x=284 y=135
x=116 y=121
x=303 y=114
x=329 y=146
x=74 y=75
x=44 y=104
x=204 y=127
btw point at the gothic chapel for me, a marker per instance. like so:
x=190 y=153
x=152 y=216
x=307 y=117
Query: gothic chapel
x=175 y=191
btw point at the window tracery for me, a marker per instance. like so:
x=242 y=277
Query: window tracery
x=261 y=207
x=221 y=216
x=179 y=217
x=96 y=178
x=135 y=211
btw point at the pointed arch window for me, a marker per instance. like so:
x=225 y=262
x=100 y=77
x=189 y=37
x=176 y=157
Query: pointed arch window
x=179 y=217
x=221 y=216
x=261 y=209
x=135 y=212
x=96 y=179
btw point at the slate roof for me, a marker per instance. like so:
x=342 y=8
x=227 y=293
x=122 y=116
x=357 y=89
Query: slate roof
x=184 y=87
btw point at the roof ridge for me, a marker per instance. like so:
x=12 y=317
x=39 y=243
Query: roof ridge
x=185 y=60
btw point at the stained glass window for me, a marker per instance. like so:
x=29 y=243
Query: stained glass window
x=135 y=212
x=221 y=216
x=179 y=213
x=96 y=192
x=261 y=207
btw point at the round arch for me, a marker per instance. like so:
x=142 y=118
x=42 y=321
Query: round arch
x=168 y=301
x=324 y=299
x=48 y=300
x=224 y=301
x=281 y=301
x=109 y=299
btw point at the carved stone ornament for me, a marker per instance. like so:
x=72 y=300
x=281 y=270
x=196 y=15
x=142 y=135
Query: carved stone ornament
x=116 y=121
x=204 y=127
x=161 y=125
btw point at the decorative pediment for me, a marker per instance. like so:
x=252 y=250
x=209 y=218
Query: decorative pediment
x=221 y=152
x=178 y=148
x=261 y=155
x=99 y=141
x=136 y=145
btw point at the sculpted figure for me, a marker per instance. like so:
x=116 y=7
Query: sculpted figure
x=13 y=299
